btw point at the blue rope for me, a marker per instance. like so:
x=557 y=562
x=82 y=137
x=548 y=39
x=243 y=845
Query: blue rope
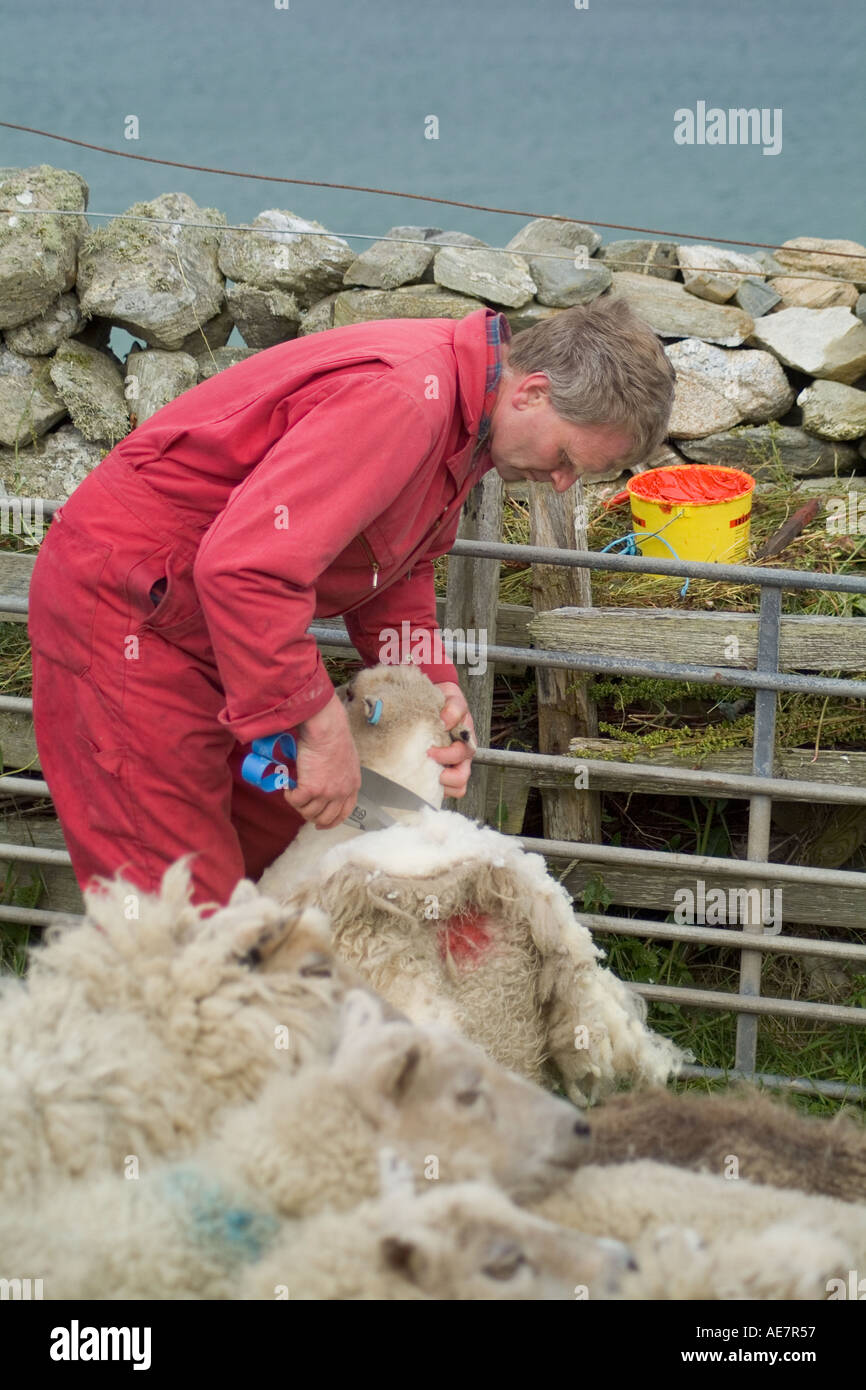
x=629 y=542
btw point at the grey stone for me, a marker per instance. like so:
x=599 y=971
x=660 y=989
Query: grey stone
x=158 y=281
x=38 y=254
x=220 y=359
x=827 y=343
x=92 y=388
x=674 y=313
x=528 y=315
x=263 y=317
x=699 y=409
x=548 y=234
x=499 y=276
x=770 y=264
x=714 y=274
x=51 y=468
x=215 y=333
x=860 y=308
x=754 y=448
x=387 y=264
x=289 y=253
x=560 y=285
x=748 y=384
x=53 y=326
x=29 y=404
x=408 y=302
x=833 y=411
x=814 y=294
x=155 y=377
x=320 y=317
x=457 y=239
x=664 y=456
x=656 y=258
x=845 y=260
x=756 y=297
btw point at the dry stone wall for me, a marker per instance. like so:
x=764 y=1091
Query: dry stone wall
x=769 y=350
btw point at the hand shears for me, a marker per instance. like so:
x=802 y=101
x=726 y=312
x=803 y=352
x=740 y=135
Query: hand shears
x=267 y=767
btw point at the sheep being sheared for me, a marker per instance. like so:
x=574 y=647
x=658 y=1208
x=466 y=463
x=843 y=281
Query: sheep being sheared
x=393 y=740
x=455 y=923
x=771 y=1141
x=135 y=1027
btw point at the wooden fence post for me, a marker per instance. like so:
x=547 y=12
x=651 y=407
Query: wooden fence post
x=565 y=710
x=471 y=604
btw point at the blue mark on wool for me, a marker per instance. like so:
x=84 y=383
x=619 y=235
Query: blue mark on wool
x=237 y=1232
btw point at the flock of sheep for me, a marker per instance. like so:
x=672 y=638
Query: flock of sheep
x=338 y=1086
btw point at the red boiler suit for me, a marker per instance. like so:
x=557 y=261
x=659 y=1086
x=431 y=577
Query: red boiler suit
x=319 y=477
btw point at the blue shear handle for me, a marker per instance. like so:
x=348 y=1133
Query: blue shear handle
x=267 y=753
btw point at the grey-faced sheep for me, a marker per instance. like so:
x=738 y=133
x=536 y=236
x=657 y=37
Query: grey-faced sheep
x=770 y=1140
x=136 y=1027
x=453 y=922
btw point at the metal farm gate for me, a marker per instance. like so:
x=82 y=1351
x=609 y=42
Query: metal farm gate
x=472 y=603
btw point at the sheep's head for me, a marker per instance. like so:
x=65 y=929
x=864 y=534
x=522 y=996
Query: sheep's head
x=436 y=1095
x=468 y=1241
x=394 y=714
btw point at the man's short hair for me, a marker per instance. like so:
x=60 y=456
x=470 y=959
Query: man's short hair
x=606 y=366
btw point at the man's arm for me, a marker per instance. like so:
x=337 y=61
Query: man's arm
x=411 y=600
x=330 y=475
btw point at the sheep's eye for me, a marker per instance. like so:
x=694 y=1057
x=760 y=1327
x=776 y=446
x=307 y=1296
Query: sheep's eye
x=318 y=966
x=350 y=695
x=506 y=1265
x=467 y=1097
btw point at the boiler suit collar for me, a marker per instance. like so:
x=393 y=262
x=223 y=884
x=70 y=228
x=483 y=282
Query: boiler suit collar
x=478 y=341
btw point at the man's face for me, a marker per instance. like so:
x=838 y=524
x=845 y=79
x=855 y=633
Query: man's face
x=529 y=441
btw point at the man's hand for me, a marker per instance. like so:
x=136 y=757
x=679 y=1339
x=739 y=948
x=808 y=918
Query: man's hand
x=329 y=772
x=456 y=759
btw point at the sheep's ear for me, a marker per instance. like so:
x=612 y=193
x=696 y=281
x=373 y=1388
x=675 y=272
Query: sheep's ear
x=261 y=939
x=372 y=710
x=393 y=1071
x=401 y=1257
x=245 y=891
x=461 y=733
x=360 y=1015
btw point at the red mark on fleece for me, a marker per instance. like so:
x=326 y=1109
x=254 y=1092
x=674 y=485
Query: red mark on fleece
x=465 y=938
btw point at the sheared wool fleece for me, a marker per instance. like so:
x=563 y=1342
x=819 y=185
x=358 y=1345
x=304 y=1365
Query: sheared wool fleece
x=771 y=1141
x=136 y=1027
x=632 y=1202
x=454 y=922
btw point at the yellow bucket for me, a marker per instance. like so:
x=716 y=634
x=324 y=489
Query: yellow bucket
x=702 y=512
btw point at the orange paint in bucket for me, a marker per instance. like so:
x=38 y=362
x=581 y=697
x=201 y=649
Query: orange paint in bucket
x=703 y=512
